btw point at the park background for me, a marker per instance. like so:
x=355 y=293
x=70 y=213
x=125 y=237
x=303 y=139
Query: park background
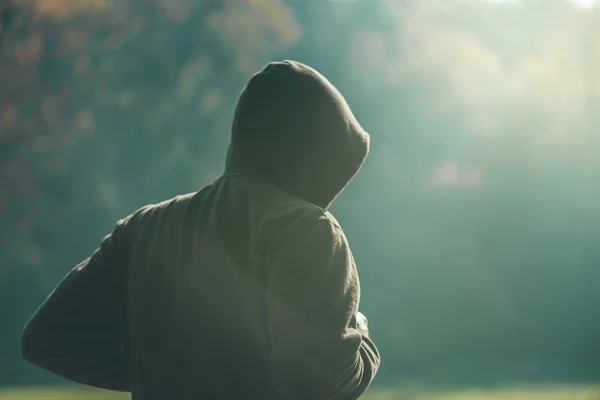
x=475 y=222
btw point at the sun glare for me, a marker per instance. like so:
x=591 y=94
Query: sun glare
x=578 y=3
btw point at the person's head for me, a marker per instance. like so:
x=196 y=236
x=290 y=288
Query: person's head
x=293 y=128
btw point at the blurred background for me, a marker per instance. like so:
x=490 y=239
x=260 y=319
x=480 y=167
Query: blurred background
x=475 y=222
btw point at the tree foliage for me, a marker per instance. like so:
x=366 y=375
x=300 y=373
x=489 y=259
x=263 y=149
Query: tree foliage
x=94 y=89
x=474 y=222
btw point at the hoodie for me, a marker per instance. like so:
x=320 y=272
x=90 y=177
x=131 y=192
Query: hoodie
x=245 y=289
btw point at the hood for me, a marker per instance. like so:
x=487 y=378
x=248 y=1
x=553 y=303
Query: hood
x=294 y=129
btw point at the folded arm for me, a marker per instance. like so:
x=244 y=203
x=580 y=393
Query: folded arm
x=318 y=351
x=80 y=331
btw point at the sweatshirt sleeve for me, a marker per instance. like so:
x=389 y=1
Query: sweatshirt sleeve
x=80 y=331
x=317 y=350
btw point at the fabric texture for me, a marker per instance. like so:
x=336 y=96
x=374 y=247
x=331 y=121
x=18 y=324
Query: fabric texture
x=246 y=289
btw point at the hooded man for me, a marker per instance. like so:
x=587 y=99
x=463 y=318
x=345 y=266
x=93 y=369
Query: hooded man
x=246 y=289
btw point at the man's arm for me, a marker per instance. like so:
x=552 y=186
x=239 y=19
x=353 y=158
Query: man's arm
x=318 y=351
x=80 y=331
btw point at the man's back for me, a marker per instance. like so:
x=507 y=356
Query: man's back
x=246 y=289
x=199 y=293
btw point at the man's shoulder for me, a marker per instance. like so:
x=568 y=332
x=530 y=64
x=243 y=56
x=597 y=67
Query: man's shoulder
x=298 y=218
x=274 y=204
x=332 y=220
x=133 y=229
x=153 y=210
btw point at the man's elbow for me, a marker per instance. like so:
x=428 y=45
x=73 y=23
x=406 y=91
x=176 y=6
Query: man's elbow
x=359 y=377
x=371 y=360
x=356 y=378
x=31 y=346
x=38 y=346
x=342 y=382
x=29 y=349
x=352 y=382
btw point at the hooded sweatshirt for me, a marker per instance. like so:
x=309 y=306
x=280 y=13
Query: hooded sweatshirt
x=245 y=289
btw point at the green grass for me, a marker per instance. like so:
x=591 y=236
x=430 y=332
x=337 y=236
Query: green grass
x=523 y=392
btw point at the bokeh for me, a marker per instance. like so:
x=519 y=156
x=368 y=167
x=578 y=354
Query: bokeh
x=475 y=222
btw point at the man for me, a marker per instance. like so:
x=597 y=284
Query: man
x=246 y=289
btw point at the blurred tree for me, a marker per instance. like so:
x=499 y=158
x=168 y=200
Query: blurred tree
x=474 y=222
x=105 y=106
x=95 y=90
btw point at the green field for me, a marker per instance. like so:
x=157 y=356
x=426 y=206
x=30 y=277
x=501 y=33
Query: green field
x=537 y=392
